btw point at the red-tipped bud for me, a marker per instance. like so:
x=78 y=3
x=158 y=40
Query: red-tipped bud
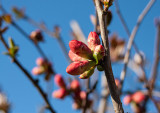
x=37 y=70
x=138 y=97
x=93 y=40
x=83 y=95
x=127 y=99
x=75 y=85
x=36 y=36
x=80 y=49
x=61 y=93
x=40 y=61
x=59 y=81
x=79 y=67
x=75 y=57
x=99 y=52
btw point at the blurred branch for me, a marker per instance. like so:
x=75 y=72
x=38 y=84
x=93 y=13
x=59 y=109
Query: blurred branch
x=131 y=39
x=104 y=95
x=156 y=59
x=51 y=34
x=154 y=72
x=128 y=33
x=107 y=63
x=124 y=24
x=13 y=23
x=34 y=82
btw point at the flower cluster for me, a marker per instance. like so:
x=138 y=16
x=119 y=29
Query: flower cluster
x=43 y=67
x=137 y=97
x=85 y=58
x=73 y=90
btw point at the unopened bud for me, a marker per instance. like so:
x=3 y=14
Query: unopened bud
x=83 y=95
x=75 y=57
x=75 y=85
x=80 y=49
x=40 y=61
x=99 y=53
x=60 y=94
x=59 y=81
x=93 y=40
x=127 y=99
x=138 y=97
x=36 y=36
x=37 y=70
x=79 y=67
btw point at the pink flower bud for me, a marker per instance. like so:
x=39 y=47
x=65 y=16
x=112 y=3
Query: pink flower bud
x=37 y=70
x=36 y=36
x=40 y=61
x=75 y=57
x=127 y=99
x=80 y=49
x=99 y=52
x=93 y=40
x=59 y=81
x=79 y=67
x=83 y=95
x=75 y=85
x=61 y=93
x=138 y=97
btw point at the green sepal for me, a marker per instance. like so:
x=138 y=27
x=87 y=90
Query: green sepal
x=95 y=57
x=88 y=73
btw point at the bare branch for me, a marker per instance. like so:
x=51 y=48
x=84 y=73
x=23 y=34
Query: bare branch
x=107 y=63
x=131 y=39
x=34 y=82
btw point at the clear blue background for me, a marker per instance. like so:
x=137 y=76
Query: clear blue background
x=22 y=95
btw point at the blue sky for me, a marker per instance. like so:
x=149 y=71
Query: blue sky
x=23 y=96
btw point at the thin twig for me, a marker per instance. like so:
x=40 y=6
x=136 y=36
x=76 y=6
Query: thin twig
x=34 y=82
x=128 y=33
x=104 y=95
x=124 y=24
x=51 y=34
x=85 y=102
x=14 y=24
x=156 y=59
x=154 y=72
x=131 y=39
x=107 y=62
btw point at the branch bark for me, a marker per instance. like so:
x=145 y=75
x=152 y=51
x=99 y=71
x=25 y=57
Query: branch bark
x=107 y=62
x=34 y=82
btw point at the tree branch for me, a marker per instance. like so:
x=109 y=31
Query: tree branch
x=107 y=63
x=131 y=39
x=34 y=82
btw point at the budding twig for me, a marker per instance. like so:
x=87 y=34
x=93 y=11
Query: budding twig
x=107 y=62
x=34 y=82
x=131 y=39
x=51 y=34
x=14 y=24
